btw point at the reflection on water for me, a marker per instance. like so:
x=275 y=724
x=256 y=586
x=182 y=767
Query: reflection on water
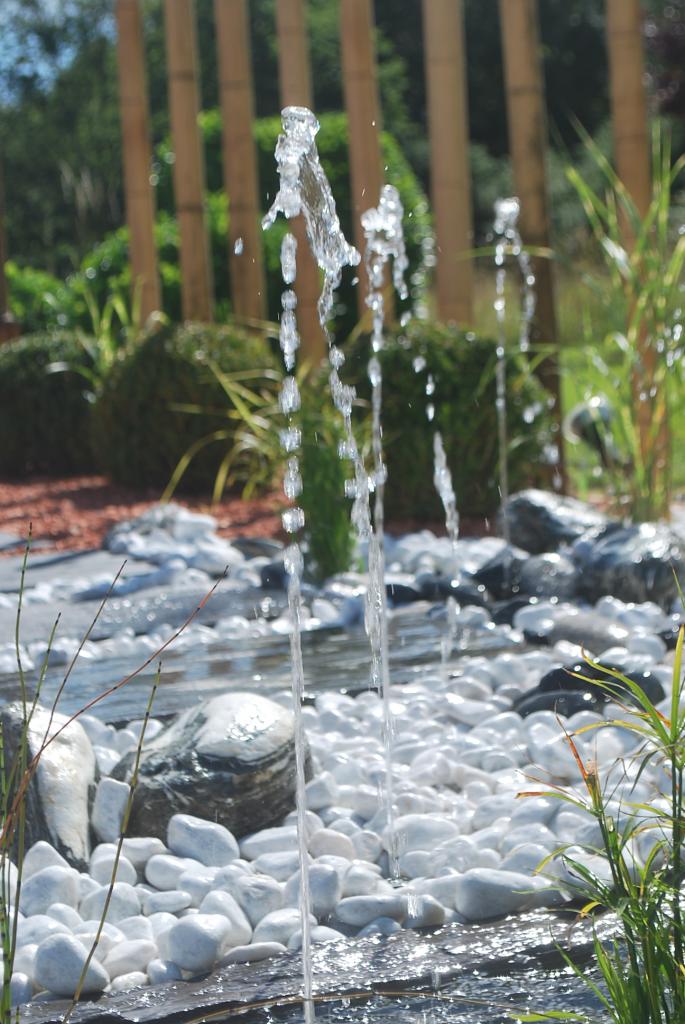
x=333 y=659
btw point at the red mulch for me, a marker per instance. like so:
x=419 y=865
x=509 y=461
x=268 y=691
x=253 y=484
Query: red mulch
x=74 y=513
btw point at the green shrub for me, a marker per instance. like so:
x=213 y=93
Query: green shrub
x=463 y=367
x=328 y=528
x=40 y=302
x=163 y=396
x=44 y=416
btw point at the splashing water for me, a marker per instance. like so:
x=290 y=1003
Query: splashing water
x=442 y=478
x=293 y=520
x=506 y=217
x=384 y=239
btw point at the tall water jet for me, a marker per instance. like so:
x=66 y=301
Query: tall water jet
x=506 y=217
x=384 y=238
x=304 y=189
x=293 y=520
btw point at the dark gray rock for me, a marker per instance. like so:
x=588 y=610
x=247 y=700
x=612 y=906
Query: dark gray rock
x=503 y=612
x=633 y=563
x=540 y=521
x=548 y=575
x=434 y=587
x=585 y=628
x=231 y=760
x=401 y=588
x=600 y=683
x=562 y=702
x=60 y=792
x=273 y=576
x=501 y=574
x=257 y=547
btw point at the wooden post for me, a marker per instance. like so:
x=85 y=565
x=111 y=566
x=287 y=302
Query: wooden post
x=295 y=83
x=449 y=167
x=135 y=133
x=527 y=144
x=629 y=100
x=196 y=271
x=8 y=327
x=360 y=89
x=248 y=289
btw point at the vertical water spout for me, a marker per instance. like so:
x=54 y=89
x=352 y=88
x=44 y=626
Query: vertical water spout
x=506 y=217
x=384 y=238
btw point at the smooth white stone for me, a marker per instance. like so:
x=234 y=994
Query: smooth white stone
x=60 y=959
x=380 y=926
x=254 y=952
x=136 y=927
x=321 y=792
x=171 y=901
x=207 y=841
x=279 y=925
x=278 y=865
x=422 y=831
x=258 y=896
x=66 y=914
x=163 y=870
x=86 y=885
x=468 y=712
x=458 y=854
x=525 y=859
x=49 y=885
x=347 y=826
x=127 y=982
x=367 y=845
x=102 y=869
x=359 y=880
x=269 y=840
x=490 y=809
x=21 y=989
x=327 y=841
x=130 y=955
x=37 y=927
x=485 y=893
x=106 y=757
x=161 y=971
x=195 y=943
x=325 y=889
x=360 y=910
x=424 y=911
x=109 y=936
x=321 y=933
x=363 y=799
x=161 y=922
x=109 y=807
x=124 y=902
x=223 y=903
x=41 y=855
x=540 y=809
x=24 y=957
x=444 y=889
x=415 y=864
x=531 y=833
x=139 y=849
x=197 y=886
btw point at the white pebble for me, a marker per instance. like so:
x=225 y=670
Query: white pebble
x=50 y=885
x=279 y=925
x=195 y=943
x=102 y=869
x=223 y=903
x=254 y=952
x=60 y=959
x=163 y=870
x=124 y=902
x=328 y=841
x=126 y=982
x=360 y=910
x=109 y=807
x=161 y=971
x=66 y=914
x=269 y=840
x=41 y=855
x=210 y=843
x=258 y=896
x=139 y=849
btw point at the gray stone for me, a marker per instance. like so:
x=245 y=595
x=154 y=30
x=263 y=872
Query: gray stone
x=60 y=959
x=58 y=796
x=548 y=575
x=540 y=521
x=230 y=760
x=633 y=563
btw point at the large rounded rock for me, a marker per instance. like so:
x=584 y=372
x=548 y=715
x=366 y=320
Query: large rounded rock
x=231 y=760
x=540 y=521
x=59 y=794
x=633 y=563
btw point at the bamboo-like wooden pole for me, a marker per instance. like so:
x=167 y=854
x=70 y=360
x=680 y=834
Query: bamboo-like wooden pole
x=295 y=82
x=449 y=167
x=137 y=155
x=629 y=99
x=248 y=288
x=184 y=104
x=527 y=144
x=362 y=103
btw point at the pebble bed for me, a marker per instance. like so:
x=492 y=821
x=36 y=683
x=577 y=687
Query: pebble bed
x=469 y=845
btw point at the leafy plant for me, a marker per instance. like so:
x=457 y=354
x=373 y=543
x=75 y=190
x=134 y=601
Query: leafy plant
x=643 y=970
x=45 y=417
x=163 y=397
x=640 y=364
x=462 y=368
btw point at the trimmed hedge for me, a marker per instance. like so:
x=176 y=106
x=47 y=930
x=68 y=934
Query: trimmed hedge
x=463 y=367
x=45 y=416
x=140 y=432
